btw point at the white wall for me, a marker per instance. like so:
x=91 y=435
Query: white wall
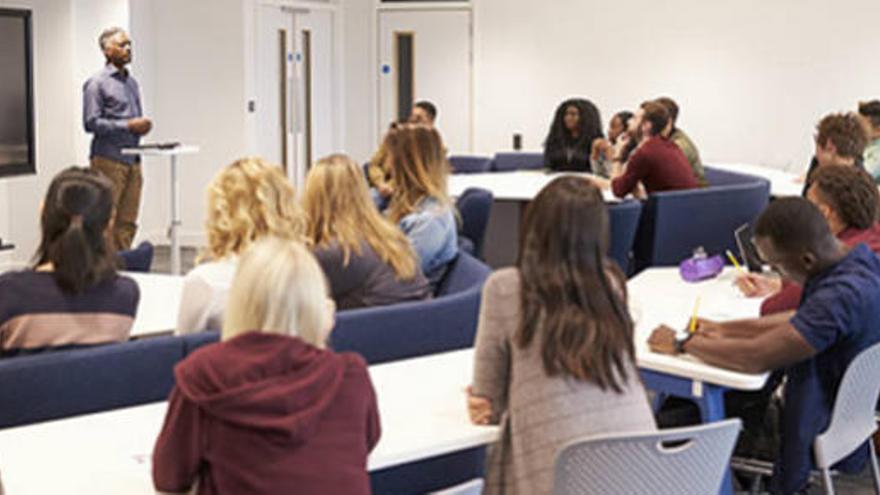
x=193 y=75
x=360 y=89
x=59 y=28
x=752 y=77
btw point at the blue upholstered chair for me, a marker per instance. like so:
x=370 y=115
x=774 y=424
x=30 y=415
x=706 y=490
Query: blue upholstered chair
x=517 y=160
x=418 y=328
x=139 y=259
x=192 y=341
x=474 y=205
x=57 y=384
x=718 y=177
x=468 y=164
x=624 y=218
x=674 y=223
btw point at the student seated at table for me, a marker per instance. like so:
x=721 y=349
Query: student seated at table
x=576 y=125
x=682 y=140
x=850 y=202
x=555 y=358
x=836 y=320
x=419 y=203
x=656 y=165
x=603 y=149
x=870 y=112
x=367 y=259
x=269 y=409
x=73 y=294
x=840 y=141
x=248 y=200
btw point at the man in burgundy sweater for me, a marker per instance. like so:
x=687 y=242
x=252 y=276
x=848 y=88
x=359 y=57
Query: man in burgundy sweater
x=656 y=165
x=849 y=200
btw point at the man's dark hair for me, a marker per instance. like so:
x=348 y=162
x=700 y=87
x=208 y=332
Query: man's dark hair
x=846 y=131
x=871 y=111
x=107 y=34
x=850 y=192
x=657 y=115
x=671 y=107
x=428 y=107
x=794 y=225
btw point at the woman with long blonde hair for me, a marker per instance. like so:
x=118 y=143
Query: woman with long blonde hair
x=419 y=203
x=367 y=259
x=270 y=409
x=248 y=200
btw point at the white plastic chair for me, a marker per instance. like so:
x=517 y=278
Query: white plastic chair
x=640 y=462
x=853 y=417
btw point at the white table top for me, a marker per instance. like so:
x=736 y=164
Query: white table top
x=160 y=300
x=183 y=149
x=659 y=296
x=421 y=407
x=520 y=185
x=782 y=183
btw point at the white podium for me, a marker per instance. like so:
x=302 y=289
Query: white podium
x=172 y=154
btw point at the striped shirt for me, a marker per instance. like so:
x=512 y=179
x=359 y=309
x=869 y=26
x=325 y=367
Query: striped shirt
x=35 y=313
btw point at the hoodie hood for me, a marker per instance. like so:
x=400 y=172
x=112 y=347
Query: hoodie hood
x=277 y=384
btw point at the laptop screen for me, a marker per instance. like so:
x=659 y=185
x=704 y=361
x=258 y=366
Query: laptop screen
x=747 y=250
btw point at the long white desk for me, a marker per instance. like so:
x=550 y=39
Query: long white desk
x=421 y=407
x=160 y=298
x=660 y=296
x=782 y=183
x=520 y=185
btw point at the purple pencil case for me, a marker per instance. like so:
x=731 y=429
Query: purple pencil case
x=701 y=267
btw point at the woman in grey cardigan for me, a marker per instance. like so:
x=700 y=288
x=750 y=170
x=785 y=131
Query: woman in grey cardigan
x=555 y=358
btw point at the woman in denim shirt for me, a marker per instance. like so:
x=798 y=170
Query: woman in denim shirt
x=419 y=203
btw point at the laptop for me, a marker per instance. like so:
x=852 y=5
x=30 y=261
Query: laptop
x=747 y=251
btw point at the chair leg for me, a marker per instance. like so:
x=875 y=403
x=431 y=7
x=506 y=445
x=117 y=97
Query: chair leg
x=875 y=471
x=826 y=481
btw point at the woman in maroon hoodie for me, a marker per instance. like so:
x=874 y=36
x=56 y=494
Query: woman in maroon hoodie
x=269 y=410
x=849 y=200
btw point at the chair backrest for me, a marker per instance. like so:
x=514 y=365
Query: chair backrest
x=517 y=160
x=469 y=164
x=624 y=220
x=411 y=329
x=139 y=259
x=57 y=384
x=853 y=417
x=647 y=463
x=674 y=223
x=195 y=340
x=474 y=205
x=719 y=177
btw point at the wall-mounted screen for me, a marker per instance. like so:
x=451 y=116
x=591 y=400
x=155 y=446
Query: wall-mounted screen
x=17 y=154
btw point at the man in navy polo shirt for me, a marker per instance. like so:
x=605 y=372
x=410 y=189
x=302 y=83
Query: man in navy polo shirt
x=112 y=113
x=835 y=321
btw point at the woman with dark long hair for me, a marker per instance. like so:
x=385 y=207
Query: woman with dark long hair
x=72 y=295
x=555 y=357
x=575 y=126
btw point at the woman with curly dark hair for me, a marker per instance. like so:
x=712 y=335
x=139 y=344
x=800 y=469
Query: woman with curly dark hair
x=575 y=126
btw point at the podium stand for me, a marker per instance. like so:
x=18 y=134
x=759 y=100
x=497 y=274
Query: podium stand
x=172 y=154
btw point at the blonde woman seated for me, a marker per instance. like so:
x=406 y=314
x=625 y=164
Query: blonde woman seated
x=418 y=203
x=248 y=200
x=269 y=409
x=367 y=259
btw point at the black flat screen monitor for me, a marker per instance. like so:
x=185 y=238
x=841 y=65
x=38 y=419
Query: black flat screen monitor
x=17 y=153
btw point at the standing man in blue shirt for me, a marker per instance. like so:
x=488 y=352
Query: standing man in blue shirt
x=833 y=324
x=112 y=112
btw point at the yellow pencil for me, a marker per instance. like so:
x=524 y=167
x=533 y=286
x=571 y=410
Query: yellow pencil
x=693 y=327
x=733 y=260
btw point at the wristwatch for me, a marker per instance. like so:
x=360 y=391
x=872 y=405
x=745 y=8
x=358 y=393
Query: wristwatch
x=679 y=343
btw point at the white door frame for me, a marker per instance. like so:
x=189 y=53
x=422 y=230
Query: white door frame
x=251 y=15
x=375 y=49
